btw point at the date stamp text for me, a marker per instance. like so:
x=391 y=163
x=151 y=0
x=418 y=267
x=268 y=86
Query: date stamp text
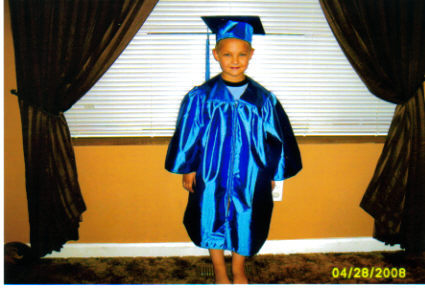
x=368 y=273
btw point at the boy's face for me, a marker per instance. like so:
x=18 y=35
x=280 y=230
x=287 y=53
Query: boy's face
x=233 y=55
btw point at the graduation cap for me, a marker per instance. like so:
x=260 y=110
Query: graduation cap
x=240 y=27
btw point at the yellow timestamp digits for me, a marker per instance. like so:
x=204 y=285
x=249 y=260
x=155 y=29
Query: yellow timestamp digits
x=368 y=272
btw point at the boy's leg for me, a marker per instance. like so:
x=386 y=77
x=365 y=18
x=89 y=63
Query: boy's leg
x=238 y=269
x=217 y=257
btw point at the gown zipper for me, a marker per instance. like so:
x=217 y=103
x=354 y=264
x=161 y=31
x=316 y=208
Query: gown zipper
x=232 y=154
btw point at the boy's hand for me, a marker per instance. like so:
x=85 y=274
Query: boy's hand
x=273 y=185
x=189 y=182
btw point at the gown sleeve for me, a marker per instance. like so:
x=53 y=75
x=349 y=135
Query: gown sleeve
x=183 y=150
x=285 y=155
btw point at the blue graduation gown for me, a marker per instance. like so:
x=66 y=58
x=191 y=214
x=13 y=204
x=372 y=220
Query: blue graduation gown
x=236 y=148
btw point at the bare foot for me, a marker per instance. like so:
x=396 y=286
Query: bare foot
x=240 y=279
x=222 y=279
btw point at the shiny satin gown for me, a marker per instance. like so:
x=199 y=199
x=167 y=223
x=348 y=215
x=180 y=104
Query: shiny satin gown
x=236 y=147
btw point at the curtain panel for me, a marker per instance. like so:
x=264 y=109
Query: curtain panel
x=62 y=47
x=384 y=40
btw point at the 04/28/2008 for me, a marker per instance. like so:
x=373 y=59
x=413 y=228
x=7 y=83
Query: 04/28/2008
x=368 y=272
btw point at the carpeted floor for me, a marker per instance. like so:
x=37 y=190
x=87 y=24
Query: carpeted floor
x=387 y=267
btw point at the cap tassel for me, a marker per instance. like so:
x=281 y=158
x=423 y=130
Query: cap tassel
x=207 y=57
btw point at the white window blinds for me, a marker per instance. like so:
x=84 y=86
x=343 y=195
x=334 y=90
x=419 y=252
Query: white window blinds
x=299 y=60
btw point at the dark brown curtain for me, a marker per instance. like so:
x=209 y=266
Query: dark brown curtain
x=384 y=40
x=62 y=47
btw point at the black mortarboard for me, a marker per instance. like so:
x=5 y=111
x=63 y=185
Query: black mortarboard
x=241 y=27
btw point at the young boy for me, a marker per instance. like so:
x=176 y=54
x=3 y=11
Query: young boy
x=232 y=140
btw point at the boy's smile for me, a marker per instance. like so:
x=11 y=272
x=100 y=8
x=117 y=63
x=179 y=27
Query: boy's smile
x=233 y=55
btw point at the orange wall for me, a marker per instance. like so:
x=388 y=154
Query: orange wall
x=131 y=198
x=15 y=207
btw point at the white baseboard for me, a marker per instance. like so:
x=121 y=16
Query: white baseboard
x=358 y=244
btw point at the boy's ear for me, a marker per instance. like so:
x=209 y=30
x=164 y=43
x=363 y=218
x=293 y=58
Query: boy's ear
x=215 y=53
x=251 y=53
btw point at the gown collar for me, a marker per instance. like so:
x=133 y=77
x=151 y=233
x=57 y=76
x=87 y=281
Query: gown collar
x=250 y=95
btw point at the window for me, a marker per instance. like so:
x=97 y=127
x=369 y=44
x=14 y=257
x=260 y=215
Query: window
x=299 y=60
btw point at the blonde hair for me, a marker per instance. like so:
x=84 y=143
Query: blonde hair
x=218 y=46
